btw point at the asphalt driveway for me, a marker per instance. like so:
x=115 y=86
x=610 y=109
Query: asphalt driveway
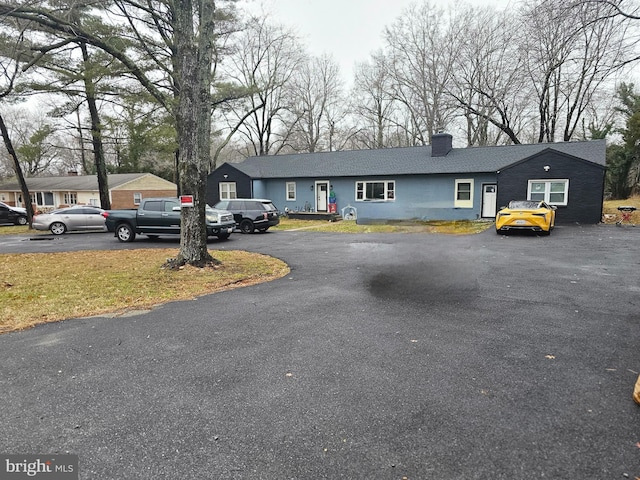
x=380 y=356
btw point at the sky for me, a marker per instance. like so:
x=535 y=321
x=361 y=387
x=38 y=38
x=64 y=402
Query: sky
x=349 y=30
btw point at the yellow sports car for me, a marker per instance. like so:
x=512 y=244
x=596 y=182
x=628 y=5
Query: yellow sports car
x=526 y=215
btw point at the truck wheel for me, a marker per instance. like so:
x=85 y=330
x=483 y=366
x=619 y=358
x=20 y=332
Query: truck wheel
x=125 y=233
x=246 y=226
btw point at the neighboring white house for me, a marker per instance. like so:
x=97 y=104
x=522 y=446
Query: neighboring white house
x=125 y=190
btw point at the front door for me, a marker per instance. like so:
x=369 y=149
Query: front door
x=322 y=196
x=489 y=199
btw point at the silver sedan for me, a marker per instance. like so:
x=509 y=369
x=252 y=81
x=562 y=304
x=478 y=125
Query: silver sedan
x=76 y=218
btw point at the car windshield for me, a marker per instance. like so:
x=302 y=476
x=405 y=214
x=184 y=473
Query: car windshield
x=523 y=204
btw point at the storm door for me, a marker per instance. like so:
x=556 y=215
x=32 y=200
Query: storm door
x=322 y=196
x=489 y=199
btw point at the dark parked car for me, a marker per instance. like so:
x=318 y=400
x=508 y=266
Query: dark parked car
x=15 y=215
x=251 y=213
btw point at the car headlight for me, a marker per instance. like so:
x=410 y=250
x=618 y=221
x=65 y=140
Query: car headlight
x=212 y=217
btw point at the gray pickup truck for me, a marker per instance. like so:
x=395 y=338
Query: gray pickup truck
x=161 y=216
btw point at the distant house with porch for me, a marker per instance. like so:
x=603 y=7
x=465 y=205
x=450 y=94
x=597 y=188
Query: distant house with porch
x=125 y=190
x=433 y=182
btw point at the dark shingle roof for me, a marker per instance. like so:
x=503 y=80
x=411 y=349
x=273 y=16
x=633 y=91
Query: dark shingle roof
x=72 y=182
x=410 y=160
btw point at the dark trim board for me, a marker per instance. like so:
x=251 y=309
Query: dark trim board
x=332 y=217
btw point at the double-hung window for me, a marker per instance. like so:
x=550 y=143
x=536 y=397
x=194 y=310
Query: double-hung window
x=71 y=198
x=227 y=190
x=291 y=190
x=376 y=191
x=464 y=193
x=553 y=192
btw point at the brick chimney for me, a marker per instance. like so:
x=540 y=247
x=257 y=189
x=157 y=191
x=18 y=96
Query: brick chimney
x=441 y=144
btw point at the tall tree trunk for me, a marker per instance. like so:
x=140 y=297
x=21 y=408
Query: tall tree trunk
x=96 y=131
x=26 y=197
x=193 y=122
x=83 y=156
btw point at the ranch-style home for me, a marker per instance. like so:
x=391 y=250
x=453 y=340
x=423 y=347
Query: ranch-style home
x=126 y=190
x=433 y=182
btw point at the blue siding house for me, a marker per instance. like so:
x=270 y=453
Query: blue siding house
x=434 y=182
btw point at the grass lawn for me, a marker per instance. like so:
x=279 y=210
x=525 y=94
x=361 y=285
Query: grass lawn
x=79 y=284
x=462 y=227
x=611 y=214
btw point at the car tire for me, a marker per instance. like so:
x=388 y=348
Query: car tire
x=223 y=236
x=58 y=228
x=21 y=220
x=125 y=233
x=246 y=226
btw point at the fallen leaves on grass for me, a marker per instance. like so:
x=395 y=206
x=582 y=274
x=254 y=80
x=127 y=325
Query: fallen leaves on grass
x=39 y=288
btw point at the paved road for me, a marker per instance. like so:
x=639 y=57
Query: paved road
x=380 y=356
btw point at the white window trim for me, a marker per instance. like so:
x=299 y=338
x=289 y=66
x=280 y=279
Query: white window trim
x=137 y=198
x=386 y=190
x=463 y=203
x=286 y=192
x=70 y=198
x=547 y=189
x=228 y=191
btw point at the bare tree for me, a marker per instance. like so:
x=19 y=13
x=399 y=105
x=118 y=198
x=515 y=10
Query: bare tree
x=373 y=102
x=316 y=91
x=265 y=62
x=629 y=10
x=421 y=50
x=535 y=77
x=568 y=58
x=488 y=84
